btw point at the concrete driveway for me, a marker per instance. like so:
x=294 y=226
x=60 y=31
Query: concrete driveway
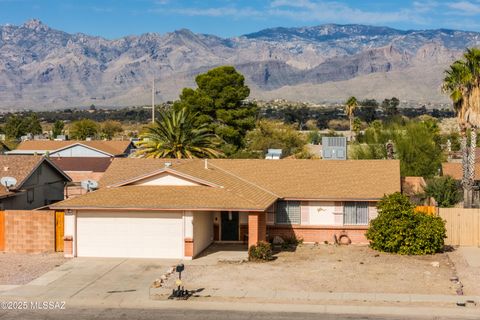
x=111 y=281
x=96 y=280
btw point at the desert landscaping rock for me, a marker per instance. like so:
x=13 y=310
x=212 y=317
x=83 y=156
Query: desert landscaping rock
x=23 y=268
x=327 y=268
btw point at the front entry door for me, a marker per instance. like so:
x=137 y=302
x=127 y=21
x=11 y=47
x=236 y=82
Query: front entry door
x=229 y=226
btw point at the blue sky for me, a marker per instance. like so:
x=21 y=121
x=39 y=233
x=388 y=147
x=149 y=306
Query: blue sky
x=117 y=18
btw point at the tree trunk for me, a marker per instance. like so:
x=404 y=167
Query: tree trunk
x=471 y=163
x=465 y=170
x=351 y=127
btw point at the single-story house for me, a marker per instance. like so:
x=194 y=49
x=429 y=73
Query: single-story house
x=30 y=182
x=159 y=208
x=75 y=148
x=80 y=160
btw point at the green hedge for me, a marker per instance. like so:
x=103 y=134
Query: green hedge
x=398 y=229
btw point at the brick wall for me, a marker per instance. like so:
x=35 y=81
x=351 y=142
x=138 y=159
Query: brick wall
x=29 y=231
x=257 y=222
x=319 y=234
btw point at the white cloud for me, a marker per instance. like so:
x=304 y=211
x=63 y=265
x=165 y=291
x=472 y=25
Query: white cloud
x=465 y=7
x=422 y=13
x=319 y=11
x=217 y=12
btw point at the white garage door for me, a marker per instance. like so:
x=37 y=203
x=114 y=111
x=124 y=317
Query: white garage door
x=130 y=234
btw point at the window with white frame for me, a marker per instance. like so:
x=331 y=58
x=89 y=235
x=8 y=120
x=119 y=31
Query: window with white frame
x=355 y=213
x=288 y=212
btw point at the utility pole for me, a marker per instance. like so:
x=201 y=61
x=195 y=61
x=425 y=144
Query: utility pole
x=153 y=100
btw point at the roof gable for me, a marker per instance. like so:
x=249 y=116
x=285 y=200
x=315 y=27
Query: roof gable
x=79 y=149
x=164 y=177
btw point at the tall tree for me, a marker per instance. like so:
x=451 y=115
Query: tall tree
x=33 y=125
x=220 y=103
x=83 y=129
x=177 y=134
x=368 y=109
x=390 y=107
x=57 y=128
x=350 y=107
x=15 y=127
x=271 y=134
x=109 y=128
x=462 y=83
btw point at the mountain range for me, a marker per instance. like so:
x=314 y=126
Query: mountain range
x=43 y=68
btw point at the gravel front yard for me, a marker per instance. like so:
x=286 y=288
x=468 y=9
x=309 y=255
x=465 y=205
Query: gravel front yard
x=326 y=268
x=19 y=268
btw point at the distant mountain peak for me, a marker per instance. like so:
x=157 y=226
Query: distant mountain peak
x=41 y=66
x=35 y=24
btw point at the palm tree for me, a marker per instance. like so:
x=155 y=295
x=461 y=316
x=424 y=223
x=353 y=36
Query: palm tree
x=350 y=107
x=177 y=135
x=462 y=82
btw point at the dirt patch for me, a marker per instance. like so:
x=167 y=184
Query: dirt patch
x=327 y=268
x=468 y=275
x=19 y=268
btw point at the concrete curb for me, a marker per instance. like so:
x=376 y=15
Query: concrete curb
x=347 y=309
x=323 y=296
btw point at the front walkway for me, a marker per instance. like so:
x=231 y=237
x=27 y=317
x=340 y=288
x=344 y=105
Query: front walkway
x=221 y=252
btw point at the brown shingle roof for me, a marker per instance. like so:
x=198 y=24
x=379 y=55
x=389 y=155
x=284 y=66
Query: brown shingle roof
x=112 y=147
x=454 y=169
x=244 y=183
x=292 y=178
x=319 y=179
x=159 y=197
x=82 y=164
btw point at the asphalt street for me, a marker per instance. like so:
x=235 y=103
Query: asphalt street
x=147 y=314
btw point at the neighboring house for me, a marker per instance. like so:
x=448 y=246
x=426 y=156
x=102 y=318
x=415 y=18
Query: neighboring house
x=157 y=208
x=81 y=160
x=454 y=169
x=74 y=148
x=38 y=182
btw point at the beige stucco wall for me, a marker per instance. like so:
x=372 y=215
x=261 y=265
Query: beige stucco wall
x=202 y=231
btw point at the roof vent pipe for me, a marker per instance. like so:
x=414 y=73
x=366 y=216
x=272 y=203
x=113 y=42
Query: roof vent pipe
x=206 y=163
x=168 y=164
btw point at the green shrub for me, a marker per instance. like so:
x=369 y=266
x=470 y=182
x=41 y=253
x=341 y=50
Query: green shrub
x=398 y=229
x=445 y=190
x=260 y=252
